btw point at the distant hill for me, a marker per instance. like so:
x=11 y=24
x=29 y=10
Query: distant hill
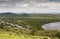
x=7 y=13
x=10 y=14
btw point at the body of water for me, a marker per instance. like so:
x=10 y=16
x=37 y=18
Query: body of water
x=52 y=26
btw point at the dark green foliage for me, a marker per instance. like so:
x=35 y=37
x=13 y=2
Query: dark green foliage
x=58 y=34
x=45 y=38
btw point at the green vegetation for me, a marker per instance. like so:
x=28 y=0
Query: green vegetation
x=27 y=26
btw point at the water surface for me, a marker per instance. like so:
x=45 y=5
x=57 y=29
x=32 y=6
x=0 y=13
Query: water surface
x=52 y=26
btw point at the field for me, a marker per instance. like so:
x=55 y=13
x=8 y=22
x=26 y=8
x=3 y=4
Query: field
x=7 y=36
x=27 y=26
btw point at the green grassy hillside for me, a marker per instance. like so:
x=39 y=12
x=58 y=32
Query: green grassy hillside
x=27 y=26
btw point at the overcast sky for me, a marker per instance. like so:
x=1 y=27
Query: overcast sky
x=30 y=6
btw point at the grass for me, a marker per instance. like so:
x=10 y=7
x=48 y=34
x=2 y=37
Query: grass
x=35 y=22
x=36 y=26
x=7 y=36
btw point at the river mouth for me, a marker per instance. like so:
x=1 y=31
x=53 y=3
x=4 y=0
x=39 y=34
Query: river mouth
x=51 y=26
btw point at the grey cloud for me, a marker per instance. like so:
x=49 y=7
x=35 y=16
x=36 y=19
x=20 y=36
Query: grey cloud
x=12 y=3
x=25 y=1
x=9 y=1
x=40 y=0
x=54 y=0
x=13 y=0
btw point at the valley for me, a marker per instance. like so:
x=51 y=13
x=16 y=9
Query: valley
x=27 y=26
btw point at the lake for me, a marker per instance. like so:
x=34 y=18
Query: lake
x=52 y=26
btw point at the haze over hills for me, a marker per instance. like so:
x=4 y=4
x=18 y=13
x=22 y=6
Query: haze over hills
x=10 y=14
x=26 y=13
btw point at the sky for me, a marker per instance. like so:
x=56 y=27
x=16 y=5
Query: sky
x=30 y=6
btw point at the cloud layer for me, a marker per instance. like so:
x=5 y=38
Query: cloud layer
x=33 y=6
